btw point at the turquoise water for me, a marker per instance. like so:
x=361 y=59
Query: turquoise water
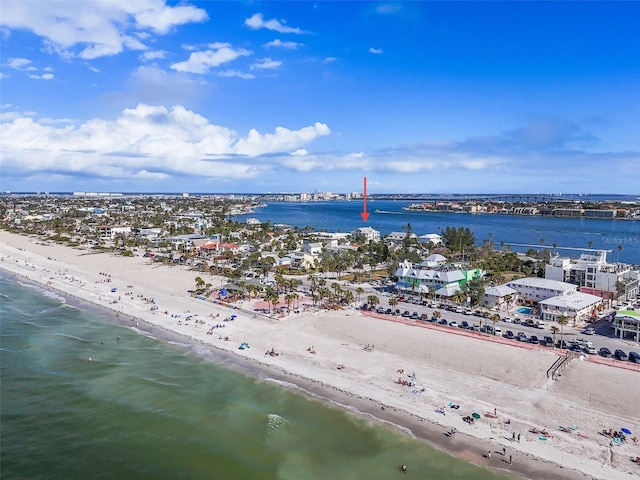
x=150 y=409
x=524 y=310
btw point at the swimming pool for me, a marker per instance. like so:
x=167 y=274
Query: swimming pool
x=524 y=310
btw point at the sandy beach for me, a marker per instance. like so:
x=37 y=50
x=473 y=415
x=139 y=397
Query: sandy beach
x=407 y=374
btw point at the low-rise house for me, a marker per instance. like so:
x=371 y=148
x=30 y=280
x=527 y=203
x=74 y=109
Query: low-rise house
x=446 y=281
x=396 y=238
x=433 y=238
x=314 y=248
x=534 y=289
x=577 y=306
x=496 y=296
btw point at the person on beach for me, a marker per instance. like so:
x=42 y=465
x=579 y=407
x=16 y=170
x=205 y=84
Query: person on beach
x=504 y=451
x=404 y=468
x=489 y=454
x=510 y=457
x=518 y=438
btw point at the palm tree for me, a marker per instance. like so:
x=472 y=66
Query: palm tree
x=562 y=321
x=359 y=291
x=495 y=318
x=554 y=330
x=199 y=284
x=393 y=302
x=289 y=298
x=373 y=300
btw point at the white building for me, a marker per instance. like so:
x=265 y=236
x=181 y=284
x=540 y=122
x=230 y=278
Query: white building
x=433 y=238
x=495 y=296
x=365 y=234
x=577 y=306
x=595 y=275
x=536 y=289
x=626 y=324
x=109 y=232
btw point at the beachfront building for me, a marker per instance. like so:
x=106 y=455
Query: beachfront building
x=433 y=261
x=594 y=275
x=578 y=307
x=626 y=324
x=444 y=280
x=534 y=289
x=365 y=234
x=109 y=232
x=497 y=296
x=312 y=248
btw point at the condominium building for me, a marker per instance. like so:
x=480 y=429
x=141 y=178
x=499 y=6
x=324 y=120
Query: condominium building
x=536 y=289
x=594 y=275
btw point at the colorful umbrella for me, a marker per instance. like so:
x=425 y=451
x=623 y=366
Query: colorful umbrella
x=625 y=431
x=475 y=415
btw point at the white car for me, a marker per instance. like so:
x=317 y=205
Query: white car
x=453 y=324
x=590 y=331
x=591 y=350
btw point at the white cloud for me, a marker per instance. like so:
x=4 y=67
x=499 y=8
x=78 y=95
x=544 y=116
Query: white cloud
x=146 y=140
x=266 y=64
x=235 y=73
x=92 y=29
x=4 y=75
x=257 y=22
x=376 y=51
x=18 y=63
x=277 y=43
x=151 y=55
x=202 y=62
x=329 y=59
x=45 y=76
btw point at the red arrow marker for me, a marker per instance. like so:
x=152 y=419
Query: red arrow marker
x=364 y=213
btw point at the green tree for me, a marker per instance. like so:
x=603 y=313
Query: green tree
x=459 y=239
x=562 y=321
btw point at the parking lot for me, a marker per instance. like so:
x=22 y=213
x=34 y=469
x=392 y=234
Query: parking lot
x=594 y=339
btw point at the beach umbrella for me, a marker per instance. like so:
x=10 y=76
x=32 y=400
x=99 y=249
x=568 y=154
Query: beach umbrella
x=625 y=431
x=475 y=415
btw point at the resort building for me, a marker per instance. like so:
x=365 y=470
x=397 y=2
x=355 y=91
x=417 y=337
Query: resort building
x=578 y=307
x=444 y=280
x=534 y=289
x=594 y=275
x=365 y=234
x=626 y=324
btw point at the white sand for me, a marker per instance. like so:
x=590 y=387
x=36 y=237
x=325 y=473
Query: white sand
x=478 y=375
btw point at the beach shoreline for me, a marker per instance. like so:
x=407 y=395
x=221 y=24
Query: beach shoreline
x=367 y=383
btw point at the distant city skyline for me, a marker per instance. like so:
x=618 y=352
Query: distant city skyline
x=259 y=97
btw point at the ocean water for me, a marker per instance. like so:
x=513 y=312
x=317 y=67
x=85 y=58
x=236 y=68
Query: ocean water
x=344 y=216
x=150 y=409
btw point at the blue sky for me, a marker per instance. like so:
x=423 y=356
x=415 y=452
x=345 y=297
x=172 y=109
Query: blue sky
x=419 y=97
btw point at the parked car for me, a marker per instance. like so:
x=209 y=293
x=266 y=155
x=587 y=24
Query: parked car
x=521 y=337
x=507 y=319
x=634 y=357
x=562 y=344
x=620 y=355
x=542 y=343
x=604 y=352
x=415 y=315
x=529 y=323
x=591 y=350
x=380 y=310
x=453 y=323
x=509 y=334
x=406 y=313
x=424 y=316
x=517 y=320
x=464 y=324
x=534 y=339
x=590 y=331
x=540 y=324
x=443 y=321
x=388 y=311
x=497 y=331
x=365 y=306
x=548 y=340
